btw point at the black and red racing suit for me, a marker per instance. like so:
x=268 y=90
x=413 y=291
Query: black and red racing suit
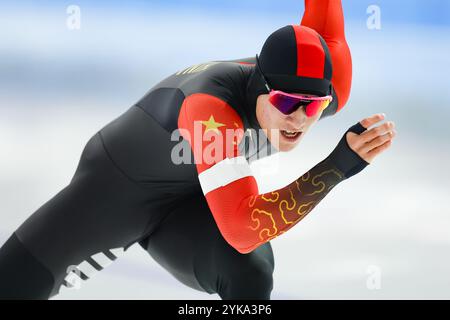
x=204 y=221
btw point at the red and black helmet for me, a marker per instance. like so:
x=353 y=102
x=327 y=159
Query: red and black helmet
x=296 y=59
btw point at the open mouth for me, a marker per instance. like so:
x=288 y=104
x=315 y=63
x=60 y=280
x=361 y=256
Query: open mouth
x=291 y=136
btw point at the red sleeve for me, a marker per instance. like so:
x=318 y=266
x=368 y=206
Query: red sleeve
x=327 y=18
x=245 y=218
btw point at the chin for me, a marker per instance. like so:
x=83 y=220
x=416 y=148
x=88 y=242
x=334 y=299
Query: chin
x=286 y=147
x=287 y=144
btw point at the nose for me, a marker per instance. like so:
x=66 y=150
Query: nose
x=297 y=118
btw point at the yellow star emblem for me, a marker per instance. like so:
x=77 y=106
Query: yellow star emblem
x=211 y=124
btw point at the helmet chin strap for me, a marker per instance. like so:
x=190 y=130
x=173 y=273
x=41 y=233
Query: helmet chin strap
x=266 y=83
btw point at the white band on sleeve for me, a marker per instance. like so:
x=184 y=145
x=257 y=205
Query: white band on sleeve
x=223 y=173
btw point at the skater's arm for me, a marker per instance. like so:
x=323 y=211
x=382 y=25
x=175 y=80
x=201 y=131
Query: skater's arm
x=327 y=18
x=245 y=217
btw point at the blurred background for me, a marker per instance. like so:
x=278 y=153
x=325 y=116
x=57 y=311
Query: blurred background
x=383 y=234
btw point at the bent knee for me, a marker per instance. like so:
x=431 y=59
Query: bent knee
x=259 y=271
x=253 y=280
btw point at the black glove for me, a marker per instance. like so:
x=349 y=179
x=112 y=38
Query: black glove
x=344 y=158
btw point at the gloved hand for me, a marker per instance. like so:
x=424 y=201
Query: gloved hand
x=359 y=146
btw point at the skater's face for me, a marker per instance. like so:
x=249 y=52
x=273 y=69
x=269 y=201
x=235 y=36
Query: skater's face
x=283 y=131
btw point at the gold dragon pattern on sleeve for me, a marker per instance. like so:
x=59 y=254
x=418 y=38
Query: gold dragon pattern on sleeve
x=275 y=212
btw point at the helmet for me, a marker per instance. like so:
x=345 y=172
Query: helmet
x=294 y=59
